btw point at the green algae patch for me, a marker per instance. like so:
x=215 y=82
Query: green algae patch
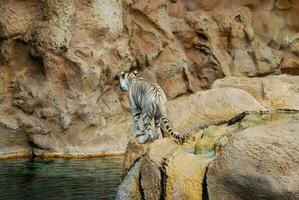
x=215 y=137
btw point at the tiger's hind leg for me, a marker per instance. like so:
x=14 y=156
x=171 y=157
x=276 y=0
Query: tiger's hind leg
x=146 y=133
x=158 y=132
x=136 y=120
x=147 y=125
x=143 y=138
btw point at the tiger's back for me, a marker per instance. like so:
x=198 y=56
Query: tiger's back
x=148 y=96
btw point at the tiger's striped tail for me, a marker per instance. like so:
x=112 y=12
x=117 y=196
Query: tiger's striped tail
x=179 y=138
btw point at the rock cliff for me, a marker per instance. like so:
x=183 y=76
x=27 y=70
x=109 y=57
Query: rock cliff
x=58 y=60
x=252 y=156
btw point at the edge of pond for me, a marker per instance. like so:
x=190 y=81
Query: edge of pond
x=45 y=155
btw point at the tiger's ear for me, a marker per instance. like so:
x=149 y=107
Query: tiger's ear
x=116 y=77
x=122 y=74
x=135 y=72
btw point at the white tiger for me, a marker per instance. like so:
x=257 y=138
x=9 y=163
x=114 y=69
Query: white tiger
x=149 y=99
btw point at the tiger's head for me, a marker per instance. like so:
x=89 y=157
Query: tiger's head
x=124 y=80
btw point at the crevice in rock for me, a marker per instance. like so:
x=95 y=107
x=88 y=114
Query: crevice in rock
x=255 y=61
x=207 y=51
x=288 y=110
x=204 y=192
x=186 y=79
x=292 y=71
x=32 y=147
x=262 y=75
x=135 y=12
x=228 y=32
x=140 y=187
x=202 y=36
x=163 y=173
x=237 y=118
x=126 y=171
x=163 y=179
x=240 y=116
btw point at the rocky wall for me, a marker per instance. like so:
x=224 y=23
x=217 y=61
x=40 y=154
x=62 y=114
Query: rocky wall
x=58 y=60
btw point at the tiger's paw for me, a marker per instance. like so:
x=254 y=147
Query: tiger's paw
x=157 y=134
x=143 y=138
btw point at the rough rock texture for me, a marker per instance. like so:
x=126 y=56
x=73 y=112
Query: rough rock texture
x=210 y=107
x=185 y=174
x=152 y=175
x=129 y=189
x=157 y=168
x=278 y=92
x=252 y=156
x=258 y=163
x=58 y=60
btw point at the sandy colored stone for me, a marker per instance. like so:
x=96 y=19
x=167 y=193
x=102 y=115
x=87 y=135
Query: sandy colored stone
x=95 y=143
x=295 y=47
x=290 y=64
x=185 y=175
x=10 y=22
x=214 y=137
x=109 y=14
x=225 y=163
x=267 y=60
x=260 y=162
x=134 y=152
x=170 y=66
x=275 y=92
x=156 y=13
x=130 y=186
x=14 y=141
x=53 y=33
x=63 y=97
x=283 y=4
x=210 y=107
x=152 y=167
x=224 y=103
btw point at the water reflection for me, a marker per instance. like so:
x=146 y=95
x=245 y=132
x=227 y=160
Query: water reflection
x=60 y=178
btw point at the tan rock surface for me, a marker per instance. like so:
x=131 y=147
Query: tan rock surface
x=130 y=186
x=277 y=92
x=152 y=173
x=185 y=175
x=252 y=156
x=134 y=152
x=210 y=107
x=258 y=163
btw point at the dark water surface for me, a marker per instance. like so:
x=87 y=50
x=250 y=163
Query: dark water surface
x=96 y=178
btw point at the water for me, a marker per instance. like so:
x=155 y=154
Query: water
x=38 y=179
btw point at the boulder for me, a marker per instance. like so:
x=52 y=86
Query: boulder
x=152 y=169
x=185 y=174
x=290 y=63
x=134 y=152
x=130 y=186
x=259 y=162
x=274 y=92
x=251 y=156
x=210 y=107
